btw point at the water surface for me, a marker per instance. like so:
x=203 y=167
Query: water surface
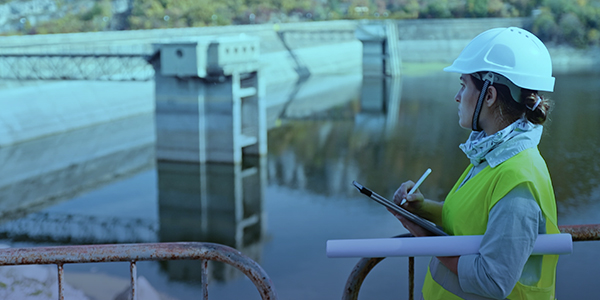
x=281 y=209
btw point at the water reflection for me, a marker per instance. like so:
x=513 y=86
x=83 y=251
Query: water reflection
x=218 y=203
x=572 y=147
x=383 y=147
x=39 y=177
x=379 y=132
x=381 y=142
x=379 y=104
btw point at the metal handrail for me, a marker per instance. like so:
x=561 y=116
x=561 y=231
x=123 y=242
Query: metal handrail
x=133 y=253
x=579 y=233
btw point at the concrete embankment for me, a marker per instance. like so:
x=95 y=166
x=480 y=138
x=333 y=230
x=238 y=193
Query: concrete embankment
x=45 y=108
x=323 y=48
x=441 y=40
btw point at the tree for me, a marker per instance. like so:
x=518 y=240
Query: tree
x=149 y=14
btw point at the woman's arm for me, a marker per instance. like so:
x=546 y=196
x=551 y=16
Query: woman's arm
x=512 y=229
x=430 y=210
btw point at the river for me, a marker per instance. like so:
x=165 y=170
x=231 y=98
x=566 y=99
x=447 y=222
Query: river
x=300 y=195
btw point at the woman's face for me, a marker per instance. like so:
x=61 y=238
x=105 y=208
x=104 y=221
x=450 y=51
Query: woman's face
x=467 y=99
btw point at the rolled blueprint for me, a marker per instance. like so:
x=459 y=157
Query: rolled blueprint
x=436 y=246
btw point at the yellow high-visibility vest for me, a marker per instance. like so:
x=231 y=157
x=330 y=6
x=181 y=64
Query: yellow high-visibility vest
x=465 y=212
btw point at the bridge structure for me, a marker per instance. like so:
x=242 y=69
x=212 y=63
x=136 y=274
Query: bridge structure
x=209 y=104
x=124 y=55
x=197 y=74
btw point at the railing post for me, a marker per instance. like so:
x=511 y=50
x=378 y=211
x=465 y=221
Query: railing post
x=411 y=278
x=61 y=281
x=133 y=272
x=204 y=281
x=358 y=275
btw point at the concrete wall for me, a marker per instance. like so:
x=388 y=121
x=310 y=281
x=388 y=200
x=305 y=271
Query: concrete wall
x=100 y=41
x=69 y=105
x=47 y=108
x=32 y=112
x=52 y=169
x=66 y=106
x=441 y=40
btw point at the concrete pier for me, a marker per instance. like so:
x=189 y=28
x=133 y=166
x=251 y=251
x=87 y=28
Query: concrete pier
x=209 y=101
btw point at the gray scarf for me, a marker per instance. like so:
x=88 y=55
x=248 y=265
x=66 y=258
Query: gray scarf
x=479 y=144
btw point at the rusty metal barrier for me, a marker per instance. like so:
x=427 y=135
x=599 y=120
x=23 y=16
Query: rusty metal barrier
x=142 y=252
x=579 y=233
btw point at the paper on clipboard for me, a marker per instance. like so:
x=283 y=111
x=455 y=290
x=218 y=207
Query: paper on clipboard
x=426 y=224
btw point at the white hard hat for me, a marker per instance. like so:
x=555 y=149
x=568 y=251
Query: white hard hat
x=512 y=52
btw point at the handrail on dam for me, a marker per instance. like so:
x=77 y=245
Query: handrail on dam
x=579 y=233
x=125 y=61
x=133 y=253
x=77 y=66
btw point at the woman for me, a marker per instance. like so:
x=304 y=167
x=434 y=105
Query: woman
x=505 y=194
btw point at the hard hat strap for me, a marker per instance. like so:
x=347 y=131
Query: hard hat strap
x=515 y=91
x=479 y=105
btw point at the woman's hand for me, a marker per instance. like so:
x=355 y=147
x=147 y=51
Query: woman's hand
x=413 y=228
x=414 y=201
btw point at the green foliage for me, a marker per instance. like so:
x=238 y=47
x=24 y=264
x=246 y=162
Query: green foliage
x=150 y=14
x=95 y=19
x=435 y=9
x=576 y=22
x=572 y=30
x=544 y=26
x=405 y=9
x=477 y=8
x=558 y=7
x=593 y=36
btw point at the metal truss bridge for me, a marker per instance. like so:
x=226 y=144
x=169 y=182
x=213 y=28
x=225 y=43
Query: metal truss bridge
x=128 y=55
x=113 y=67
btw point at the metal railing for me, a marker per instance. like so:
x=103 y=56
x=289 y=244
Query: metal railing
x=77 y=66
x=579 y=233
x=133 y=253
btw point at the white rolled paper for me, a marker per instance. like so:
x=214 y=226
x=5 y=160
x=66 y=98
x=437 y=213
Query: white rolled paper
x=436 y=246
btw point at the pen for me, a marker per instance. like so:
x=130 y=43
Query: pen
x=416 y=186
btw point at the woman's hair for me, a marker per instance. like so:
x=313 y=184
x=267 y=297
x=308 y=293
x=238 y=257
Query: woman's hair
x=511 y=110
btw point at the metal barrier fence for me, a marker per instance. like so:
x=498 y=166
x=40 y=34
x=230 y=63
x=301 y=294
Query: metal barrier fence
x=111 y=67
x=142 y=252
x=579 y=233
x=133 y=253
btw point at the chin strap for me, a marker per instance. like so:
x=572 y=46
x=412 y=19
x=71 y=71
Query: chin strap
x=488 y=80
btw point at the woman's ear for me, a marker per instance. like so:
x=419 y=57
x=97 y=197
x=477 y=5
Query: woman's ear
x=491 y=96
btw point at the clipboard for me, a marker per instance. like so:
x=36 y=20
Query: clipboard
x=426 y=224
